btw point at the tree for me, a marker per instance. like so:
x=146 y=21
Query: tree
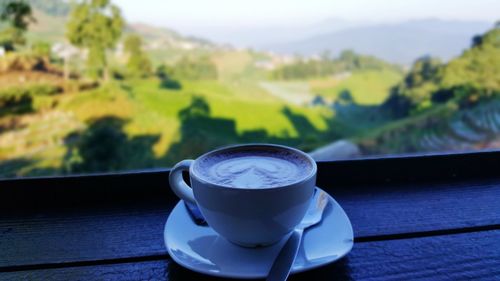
x=195 y=69
x=138 y=63
x=18 y=15
x=478 y=67
x=350 y=59
x=95 y=25
x=166 y=74
x=464 y=80
x=397 y=104
x=424 y=69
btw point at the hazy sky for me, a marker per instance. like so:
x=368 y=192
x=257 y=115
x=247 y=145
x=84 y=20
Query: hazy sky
x=192 y=13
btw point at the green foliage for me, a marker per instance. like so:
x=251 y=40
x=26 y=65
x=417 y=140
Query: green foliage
x=15 y=102
x=43 y=90
x=95 y=25
x=13 y=95
x=20 y=100
x=397 y=105
x=416 y=87
x=424 y=70
x=465 y=79
x=170 y=84
x=165 y=74
x=32 y=90
x=22 y=62
x=304 y=69
x=347 y=61
x=11 y=36
x=478 y=66
x=138 y=64
x=18 y=15
x=200 y=69
x=133 y=44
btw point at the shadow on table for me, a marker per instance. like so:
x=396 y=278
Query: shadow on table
x=339 y=270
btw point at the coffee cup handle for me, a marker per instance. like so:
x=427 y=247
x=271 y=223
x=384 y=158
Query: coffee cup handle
x=177 y=183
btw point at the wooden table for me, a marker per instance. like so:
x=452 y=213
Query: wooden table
x=434 y=217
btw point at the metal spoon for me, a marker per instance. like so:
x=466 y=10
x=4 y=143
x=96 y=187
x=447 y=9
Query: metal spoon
x=284 y=261
x=195 y=214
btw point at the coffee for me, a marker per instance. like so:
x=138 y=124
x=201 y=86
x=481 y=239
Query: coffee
x=253 y=194
x=254 y=167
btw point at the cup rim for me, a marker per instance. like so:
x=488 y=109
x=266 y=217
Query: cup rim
x=312 y=173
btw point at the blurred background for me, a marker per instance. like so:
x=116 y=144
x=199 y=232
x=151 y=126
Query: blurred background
x=98 y=85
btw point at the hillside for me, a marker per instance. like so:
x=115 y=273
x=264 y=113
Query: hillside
x=451 y=106
x=150 y=126
x=398 y=42
x=51 y=21
x=202 y=96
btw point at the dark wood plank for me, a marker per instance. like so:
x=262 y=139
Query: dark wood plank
x=136 y=229
x=401 y=169
x=69 y=236
x=18 y=195
x=147 y=185
x=383 y=210
x=156 y=270
x=470 y=256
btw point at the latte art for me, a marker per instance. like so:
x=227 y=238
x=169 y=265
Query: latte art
x=254 y=169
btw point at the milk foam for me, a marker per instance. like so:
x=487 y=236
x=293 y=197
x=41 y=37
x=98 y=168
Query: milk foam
x=259 y=168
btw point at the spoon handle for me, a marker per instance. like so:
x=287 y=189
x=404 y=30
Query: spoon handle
x=284 y=261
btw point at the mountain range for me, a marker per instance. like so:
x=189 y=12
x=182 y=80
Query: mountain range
x=398 y=42
x=395 y=42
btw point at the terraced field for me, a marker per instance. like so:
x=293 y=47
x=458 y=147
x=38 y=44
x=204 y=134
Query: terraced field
x=39 y=141
x=440 y=130
x=472 y=129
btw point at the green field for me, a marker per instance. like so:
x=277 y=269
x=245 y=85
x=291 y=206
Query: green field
x=241 y=105
x=152 y=111
x=366 y=87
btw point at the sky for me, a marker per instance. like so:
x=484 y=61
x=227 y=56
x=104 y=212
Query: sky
x=255 y=23
x=197 y=13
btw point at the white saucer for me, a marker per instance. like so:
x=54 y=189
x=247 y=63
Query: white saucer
x=201 y=249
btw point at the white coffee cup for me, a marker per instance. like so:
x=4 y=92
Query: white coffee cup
x=247 y=216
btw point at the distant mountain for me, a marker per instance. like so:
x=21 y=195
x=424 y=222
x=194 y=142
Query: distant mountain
x=161 y=37
x=395 y=42
x=261 y=36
